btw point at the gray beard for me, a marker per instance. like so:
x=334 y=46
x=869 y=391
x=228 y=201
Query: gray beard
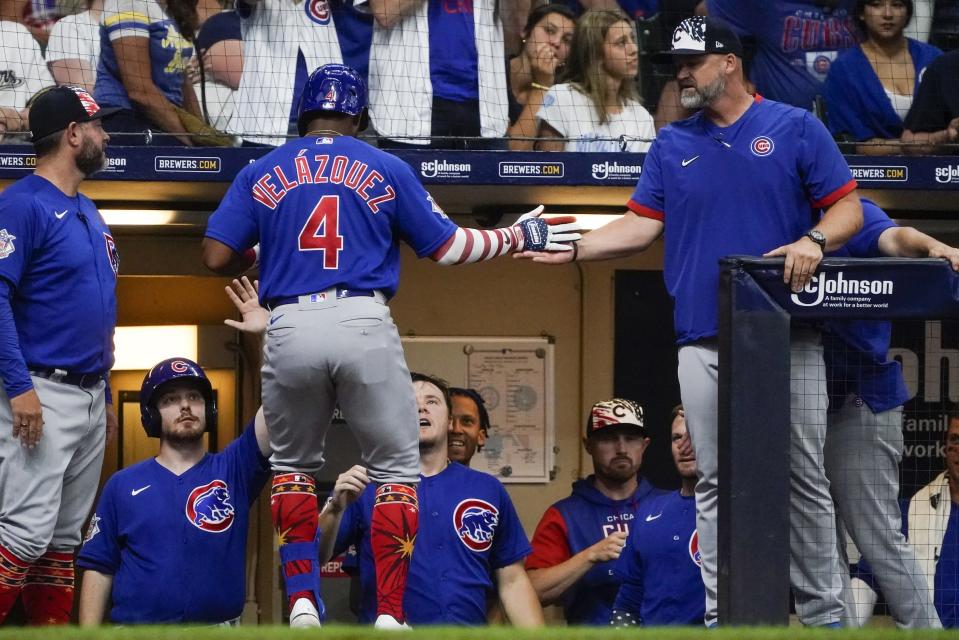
x=702 y=97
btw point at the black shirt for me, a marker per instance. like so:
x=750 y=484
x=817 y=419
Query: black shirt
x=937 y=100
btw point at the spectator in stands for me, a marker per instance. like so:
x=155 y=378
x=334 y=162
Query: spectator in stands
x=660 y=567
x=144 y=54
x=469 y=425
x=598 y=108
x=283 y=42
x=354 y=29
x=220 y=47
x=22 y=71
x=870 y=88
x=933 y=121
x=73 y=50
x=578 y=539
x=547 y=38
x=795 y=42
x=436 y=70
x=944 y=27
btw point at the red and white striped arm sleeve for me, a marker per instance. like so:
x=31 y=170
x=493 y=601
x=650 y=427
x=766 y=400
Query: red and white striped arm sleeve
x=476 y=245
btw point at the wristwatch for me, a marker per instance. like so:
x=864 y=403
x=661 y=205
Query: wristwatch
x=817 y=237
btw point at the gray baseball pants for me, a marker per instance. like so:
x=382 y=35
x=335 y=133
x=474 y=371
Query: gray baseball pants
x=863 y=452
x=46 y=492
x=322 y=354
x=817 y=586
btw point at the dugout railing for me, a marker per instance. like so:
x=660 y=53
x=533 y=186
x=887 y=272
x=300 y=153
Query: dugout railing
x=756 y=311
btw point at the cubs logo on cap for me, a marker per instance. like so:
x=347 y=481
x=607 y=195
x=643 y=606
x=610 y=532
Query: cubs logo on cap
x=209 y=508
x=618 y=412
x=475 y=521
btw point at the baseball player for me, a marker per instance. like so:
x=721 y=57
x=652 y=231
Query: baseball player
x=470 y=541
x=578 y=539
x=58 y=270
x=740 y=177
x=469 y=425
x=167 y=542
x=662 y=583
x=864 y=438
x=328 y=212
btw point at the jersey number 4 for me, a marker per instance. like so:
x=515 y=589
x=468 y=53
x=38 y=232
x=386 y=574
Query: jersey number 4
x=322 y=231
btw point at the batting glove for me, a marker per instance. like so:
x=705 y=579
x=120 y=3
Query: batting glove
x=548 y=234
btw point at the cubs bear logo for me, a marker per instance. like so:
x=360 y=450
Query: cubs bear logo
x=762 y=146
x=694 y=553
x=475 y=523
x=208 y=507
x=112 y=253
x=318 y=11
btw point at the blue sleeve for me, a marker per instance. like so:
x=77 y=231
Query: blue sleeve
x=510 y=543
x=234 y=223
x=823 y=169
x=630 y=571
x=865 y=244
x=740 y=15
x=351 y=527
x=649 y=197
x=250 y=467
x=421 y=222
x=101 y=546
x=843 y=105
x=13 y=370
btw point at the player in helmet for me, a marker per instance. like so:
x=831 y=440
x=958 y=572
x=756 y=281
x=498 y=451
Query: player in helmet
x=327 y=211
x=167 y=543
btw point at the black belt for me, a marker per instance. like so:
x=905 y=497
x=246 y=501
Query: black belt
x=82 y=380
x=340 y=294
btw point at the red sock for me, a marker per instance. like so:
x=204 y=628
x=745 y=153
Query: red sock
x=13 y=571
x=295 y=514
x=392 y=534
x=48 y=589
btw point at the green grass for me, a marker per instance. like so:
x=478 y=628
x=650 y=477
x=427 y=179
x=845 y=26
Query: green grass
x=460 y=633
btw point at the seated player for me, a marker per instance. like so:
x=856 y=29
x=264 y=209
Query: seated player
x=469 y=425
x=661 y=566
x=470 y=540
x=167 y=542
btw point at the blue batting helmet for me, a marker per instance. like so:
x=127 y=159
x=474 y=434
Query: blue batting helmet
x=171 y=370
x=333 y=88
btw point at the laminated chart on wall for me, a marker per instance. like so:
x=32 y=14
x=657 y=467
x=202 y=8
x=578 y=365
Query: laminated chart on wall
x=515 y=378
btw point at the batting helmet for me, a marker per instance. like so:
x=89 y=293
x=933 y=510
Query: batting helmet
x=333 y=88
x=170 y=370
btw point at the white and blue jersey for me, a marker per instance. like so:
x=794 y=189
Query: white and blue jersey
x=775 y=157
x=660 y=568
x=58 y=273
x=176 y=545
x=468 y=529
x=796 y=43
x=169 y=51
x=576 y=523
x=327 y=211
x=856 y=351
x=454 y=77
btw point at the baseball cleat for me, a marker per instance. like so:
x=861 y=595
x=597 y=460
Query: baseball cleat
x=386 y=621
x=303 y=615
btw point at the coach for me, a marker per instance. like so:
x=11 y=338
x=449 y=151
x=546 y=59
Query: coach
x=58 y=271
x=740 y=177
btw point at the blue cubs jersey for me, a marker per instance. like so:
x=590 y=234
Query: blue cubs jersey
x=176 y=545
x=328 y=211
x=453 y=76
x=856 y=351
x=575 y=523
x=743 y=189
x=660 y=567
x=796 y=43
x=468 y=529
x=58 y=269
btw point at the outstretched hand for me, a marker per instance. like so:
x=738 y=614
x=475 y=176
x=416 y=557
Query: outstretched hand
x=549 y=234
x=245 y=297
